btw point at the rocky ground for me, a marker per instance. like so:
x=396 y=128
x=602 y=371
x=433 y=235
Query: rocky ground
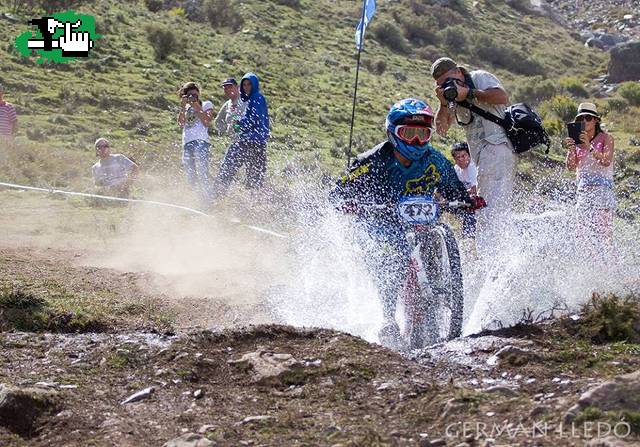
x=271 y=385
x=617 y=18
x=148 y=381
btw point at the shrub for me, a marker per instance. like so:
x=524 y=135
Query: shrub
x=506 y=56
x=389 y=35
x=429 y=53
x=162 y=40
x=295 y=4
x=154 y=5
x=420 y=31
x=631 y=92
x=535 y=89
x=223 y=14
x=617 y=104
x=563 y=107
x=455 y=39
x=611 y=319
x=573 y=86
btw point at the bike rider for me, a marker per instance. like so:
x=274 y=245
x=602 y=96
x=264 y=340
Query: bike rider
x=404 y=165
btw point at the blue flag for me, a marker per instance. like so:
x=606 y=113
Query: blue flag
x=369 y=8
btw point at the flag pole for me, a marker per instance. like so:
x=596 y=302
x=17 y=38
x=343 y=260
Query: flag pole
x=355 y=90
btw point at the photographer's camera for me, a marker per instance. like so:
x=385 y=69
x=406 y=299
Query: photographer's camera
x=449 y=90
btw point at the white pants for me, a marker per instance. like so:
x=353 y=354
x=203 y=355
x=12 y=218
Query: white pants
x=496 y=176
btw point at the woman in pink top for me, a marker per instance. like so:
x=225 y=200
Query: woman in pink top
x=593 y=162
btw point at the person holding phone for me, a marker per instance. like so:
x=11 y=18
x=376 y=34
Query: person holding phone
x=195 y=117
x=592 y=160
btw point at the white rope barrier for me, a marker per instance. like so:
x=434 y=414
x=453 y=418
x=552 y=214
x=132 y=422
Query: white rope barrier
x=120 y=199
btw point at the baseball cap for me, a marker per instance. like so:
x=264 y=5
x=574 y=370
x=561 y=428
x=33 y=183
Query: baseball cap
x=441 y=66
x=229 y=81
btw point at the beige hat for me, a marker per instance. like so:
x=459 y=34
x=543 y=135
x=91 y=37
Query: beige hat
x=441 y=66
x=587 y=108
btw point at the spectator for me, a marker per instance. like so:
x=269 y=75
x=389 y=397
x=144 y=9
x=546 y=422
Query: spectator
x=468 y=174
x=232 y=110
x=8 y=119
x=489 y=146
x=593 y=162
x=195 y=117
x=465 y=167
x=250 y=145
x=113 y=174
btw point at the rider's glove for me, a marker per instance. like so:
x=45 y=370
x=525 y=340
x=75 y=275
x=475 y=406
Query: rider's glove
x=477 y=202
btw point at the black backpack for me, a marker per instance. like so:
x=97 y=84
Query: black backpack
x=522 y=124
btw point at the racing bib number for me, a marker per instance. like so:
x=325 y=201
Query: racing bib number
x=418 y=210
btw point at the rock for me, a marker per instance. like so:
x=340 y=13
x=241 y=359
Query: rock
x=140 y=395
x=269 y=368
x=621 y=393
x=198 y=394
x=20 y=408
x=625 y=62
x=438 y=443
x=610 y=441
x=190 y=440
x=205 y=428
x=539 y=410
x=497 y=389
x=513 y=356
x=252 y=419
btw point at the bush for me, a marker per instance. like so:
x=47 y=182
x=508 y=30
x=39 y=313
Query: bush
x=562 y=106
x=535 y=90
x=610 y=318
x=154 y=5
x=295 y=4
x=573 y=86
x=506 y=56
x=223 y=14
x=631 y=92
x=420 y=31
x=455 y=39
x=162 y=40
x=389 y=35
x=429 y=53
x=617 y=104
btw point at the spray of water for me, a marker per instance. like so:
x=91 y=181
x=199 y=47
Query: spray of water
x=540 y=270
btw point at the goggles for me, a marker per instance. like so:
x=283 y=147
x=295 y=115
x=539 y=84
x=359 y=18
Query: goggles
x=413 y=134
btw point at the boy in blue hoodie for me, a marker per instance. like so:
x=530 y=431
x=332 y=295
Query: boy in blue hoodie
x=250 y=147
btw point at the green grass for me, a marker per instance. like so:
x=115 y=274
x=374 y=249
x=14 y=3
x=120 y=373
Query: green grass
x=62 y=312
x=305 y=56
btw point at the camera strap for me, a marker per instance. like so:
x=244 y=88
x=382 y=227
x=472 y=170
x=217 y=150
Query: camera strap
x=483 y=113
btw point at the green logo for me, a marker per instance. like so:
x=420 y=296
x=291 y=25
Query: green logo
x=61 y=38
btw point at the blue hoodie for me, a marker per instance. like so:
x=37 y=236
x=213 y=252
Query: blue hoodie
x=254 y=125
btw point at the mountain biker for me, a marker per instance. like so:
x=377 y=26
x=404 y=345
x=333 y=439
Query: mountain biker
x=404 y=165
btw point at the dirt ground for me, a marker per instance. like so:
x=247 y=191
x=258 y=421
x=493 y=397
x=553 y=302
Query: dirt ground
x=176 y=327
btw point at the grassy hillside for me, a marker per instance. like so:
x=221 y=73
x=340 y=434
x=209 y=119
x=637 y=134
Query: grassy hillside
x=304 y=53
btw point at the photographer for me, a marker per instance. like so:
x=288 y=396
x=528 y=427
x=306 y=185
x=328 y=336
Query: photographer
x=194 y=118
x=592 y=160
x=489 y=145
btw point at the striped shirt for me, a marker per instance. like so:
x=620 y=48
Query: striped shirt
x=8 y=117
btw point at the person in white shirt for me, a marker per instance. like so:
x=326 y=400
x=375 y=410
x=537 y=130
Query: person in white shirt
x=231 y=111
x=465 y=167
x=490 y=148
x=467 y=172
x=195 y=118
x=113 y=174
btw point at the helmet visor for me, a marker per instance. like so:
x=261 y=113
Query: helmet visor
x=413 y=134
